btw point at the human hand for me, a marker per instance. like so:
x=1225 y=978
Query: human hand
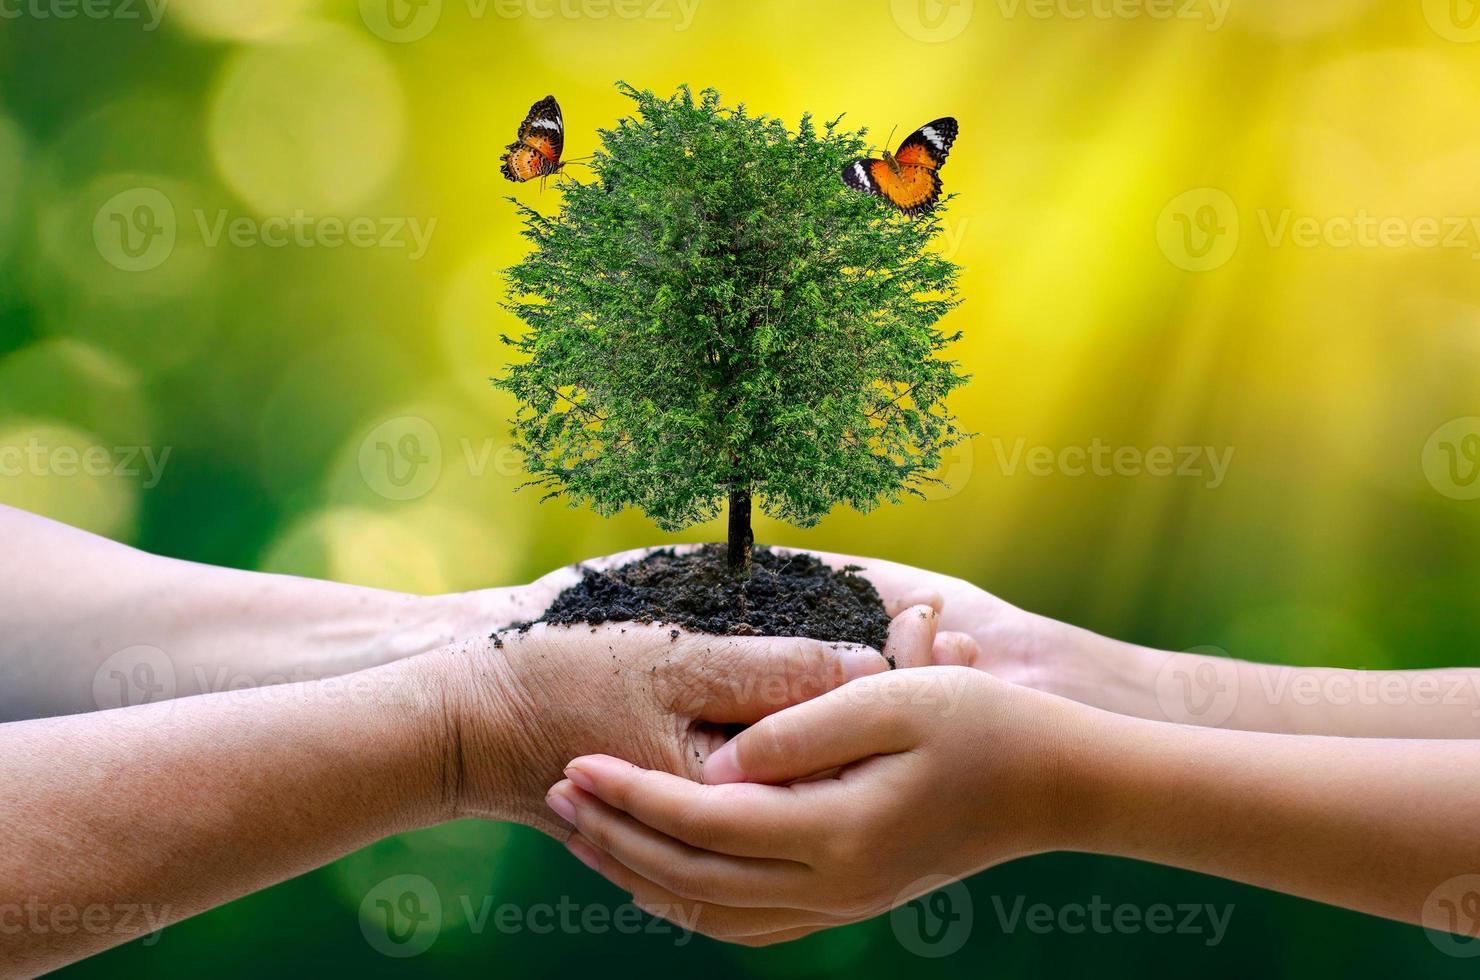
x=944 y=771
x=1011 y=643
x=520 y=705
x=981 y=631
x=950 y=644
x=1019 y=646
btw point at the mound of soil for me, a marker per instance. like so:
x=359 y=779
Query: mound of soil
x=790 y=595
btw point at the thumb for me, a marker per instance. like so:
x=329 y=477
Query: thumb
x=955 y=650
x=911 y=637
x=740 y=680
x=839 y=727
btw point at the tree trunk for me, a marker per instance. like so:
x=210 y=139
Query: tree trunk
x=741 y=537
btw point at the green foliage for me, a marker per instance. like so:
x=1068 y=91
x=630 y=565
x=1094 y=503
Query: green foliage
x=715 y=312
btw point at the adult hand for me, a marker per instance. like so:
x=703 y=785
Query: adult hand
x=1015 y=645
x=327 y=766
x=522 y=704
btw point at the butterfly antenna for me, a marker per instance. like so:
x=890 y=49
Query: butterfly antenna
x=890 y=141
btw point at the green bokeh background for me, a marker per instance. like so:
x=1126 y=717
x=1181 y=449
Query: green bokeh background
x=272 y=375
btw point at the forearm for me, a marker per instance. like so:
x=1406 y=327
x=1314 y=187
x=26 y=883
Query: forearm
x=1220 y=692
x=1187 y=688
x=1372 y=825
x=143 y=816
x=79 y=614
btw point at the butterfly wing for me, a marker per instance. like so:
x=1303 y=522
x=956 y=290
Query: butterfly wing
x=544 y=128
x=523 y=163
x=929 y=145
x=859 y=175
x=913 y=184
x=541 y=142
x=914 y=190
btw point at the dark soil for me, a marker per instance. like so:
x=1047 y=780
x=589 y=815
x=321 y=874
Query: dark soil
x=792 y=595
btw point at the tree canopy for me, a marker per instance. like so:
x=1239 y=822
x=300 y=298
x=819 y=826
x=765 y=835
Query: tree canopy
x=713 y=316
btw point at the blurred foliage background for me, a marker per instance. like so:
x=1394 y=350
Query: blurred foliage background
x=1246 y=225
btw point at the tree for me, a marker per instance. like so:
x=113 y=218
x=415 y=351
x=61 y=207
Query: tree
x=714 y=316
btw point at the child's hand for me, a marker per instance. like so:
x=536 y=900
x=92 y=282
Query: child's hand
x=1011 y=643
x=944 y=771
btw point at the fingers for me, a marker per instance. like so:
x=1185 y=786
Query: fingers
x=912 y=636
x=834 y=730
x=750 y=926
x=955 y=650
x=681 y=869
x=743 y=819
x=740 y=680
x=900 y=586
x=898 y=602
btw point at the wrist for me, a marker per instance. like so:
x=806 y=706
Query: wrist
x=1043 y=757
x=466 y=615
x=389 y=748
x=489 y=731
x=1095 y=670
x=1067 y=760
x=1109 y=780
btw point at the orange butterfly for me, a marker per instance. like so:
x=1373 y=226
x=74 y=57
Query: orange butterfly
x=541 y=141
x=910 y=178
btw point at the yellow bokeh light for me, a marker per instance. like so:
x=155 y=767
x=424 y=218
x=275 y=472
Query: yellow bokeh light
x=474 y=552
x=64 y=379
x=126 y=238
x=472 y=321
x=312 y=121
x=69 y=475
x=448 y=475
x=240 y=21
x=1299 y=20
x=135 y=132
x=1371 y=135
x=359 y=547
x=122 y=269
